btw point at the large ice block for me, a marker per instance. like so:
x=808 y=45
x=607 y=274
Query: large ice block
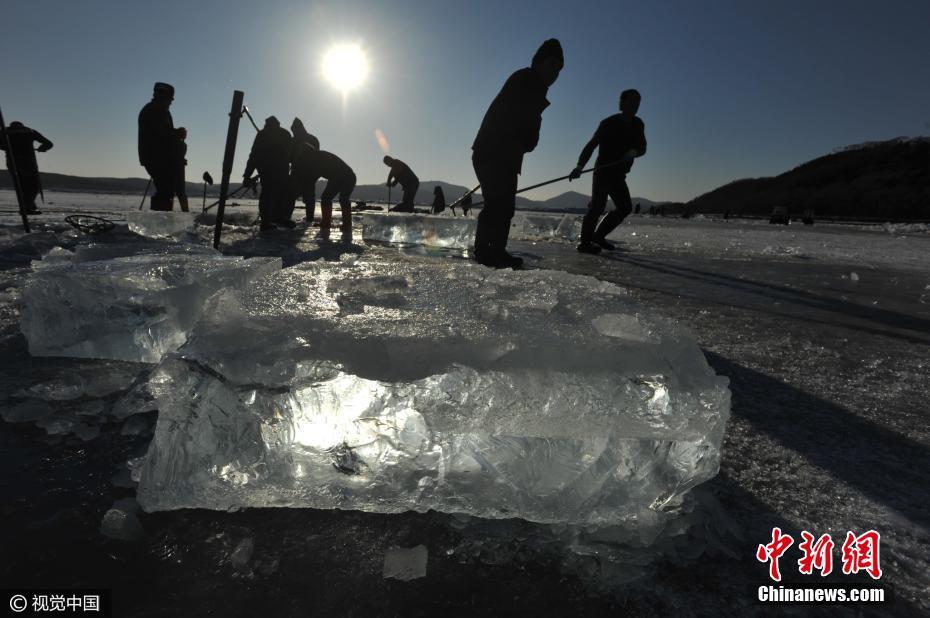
x=164 y=225
x=412 y=384
x=134 y=308
x=459 y=232
x=412 y=229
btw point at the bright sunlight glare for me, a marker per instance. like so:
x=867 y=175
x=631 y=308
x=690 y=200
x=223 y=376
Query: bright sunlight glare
x=345 y=67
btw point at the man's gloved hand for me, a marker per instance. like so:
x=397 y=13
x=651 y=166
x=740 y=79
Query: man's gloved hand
x=249 y=181
x=575 y=173
x=182 y=133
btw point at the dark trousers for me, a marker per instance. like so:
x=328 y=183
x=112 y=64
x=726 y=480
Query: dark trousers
x=343 y=187
x=272 y=202
x=164 y=177
x=301 y=187
x=498 y=178
x=29 y=185
x=603 y=187
x=410 y=193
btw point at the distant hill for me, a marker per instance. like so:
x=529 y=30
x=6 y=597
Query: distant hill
x=567 y=202
x=885 y=180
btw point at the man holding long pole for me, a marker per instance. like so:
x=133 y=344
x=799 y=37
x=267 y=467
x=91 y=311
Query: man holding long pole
x=509 y=130
x=22 y=155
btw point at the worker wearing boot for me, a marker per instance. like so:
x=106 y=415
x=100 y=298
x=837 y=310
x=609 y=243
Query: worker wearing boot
x=401 y=173
x=619 y=138
x=271 y=156
x=509 y=130
x=160 y=146
x=311 y=164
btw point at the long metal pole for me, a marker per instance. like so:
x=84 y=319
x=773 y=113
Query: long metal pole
x=549 y=182
x=145 y=193
x=11 y=162
x=235 y=114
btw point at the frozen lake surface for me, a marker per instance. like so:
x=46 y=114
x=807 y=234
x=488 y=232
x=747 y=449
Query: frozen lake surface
x=823 y=332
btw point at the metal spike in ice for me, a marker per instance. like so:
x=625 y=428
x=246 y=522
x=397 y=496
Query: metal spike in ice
x=401 y=384
x=136 y=308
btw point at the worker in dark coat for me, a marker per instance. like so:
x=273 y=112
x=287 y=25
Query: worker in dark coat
x=619 y=139
x=310 y=165
x=299 y=185
x=271 y=156
x=509 y=130
x=401 y=173
x=23 y=154
x=161 y=146
x=439 y=200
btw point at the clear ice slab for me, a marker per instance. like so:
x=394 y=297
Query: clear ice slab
x=135 y=308
x=165 y=225
x=399 y=384
x=414 y=229
x=452 y=232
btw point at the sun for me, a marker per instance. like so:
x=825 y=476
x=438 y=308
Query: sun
x=345 y=67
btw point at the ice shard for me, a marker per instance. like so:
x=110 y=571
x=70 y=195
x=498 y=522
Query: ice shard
x=135 y=308
x=408 y=383
x=545 y=226
x=166 y=225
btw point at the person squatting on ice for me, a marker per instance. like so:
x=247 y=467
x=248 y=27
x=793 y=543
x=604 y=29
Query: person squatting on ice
x=619 y=139
x=401 y=173
x=311 y=164
x=23 y=155
x=271 y=156
x=161 y=146
x=509 y=130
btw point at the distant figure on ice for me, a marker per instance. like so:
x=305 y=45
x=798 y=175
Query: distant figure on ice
x=297 y=184
x=23 y=155
x=271 y=156
x=466 y=206
x=180 y=179
x=439 y=200
x=161 y=147
x=619 y=138
x=401 y=173
x=309 y=166
x=509 y=130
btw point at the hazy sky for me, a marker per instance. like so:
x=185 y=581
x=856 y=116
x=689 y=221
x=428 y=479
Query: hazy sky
x=731 y=89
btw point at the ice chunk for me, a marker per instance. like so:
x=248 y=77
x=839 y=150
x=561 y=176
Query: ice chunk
x=120 y=522
x=131 y=308
x=241 y=555
x=405 y=564
x=459 y=232
x=401 y=384
x=162 y=224
x=27 y=411
x=429 y=230
x=545 y=226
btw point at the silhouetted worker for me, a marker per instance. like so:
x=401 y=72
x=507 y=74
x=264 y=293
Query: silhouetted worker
x=271 y=156
x=466 y=205
x=23 y=154
x=160 y=146
x=509 y=130
x=401 y=173
x=181 y=180
x=309 y=166
x=619 y=139
x=297 y=185
x=439 y=200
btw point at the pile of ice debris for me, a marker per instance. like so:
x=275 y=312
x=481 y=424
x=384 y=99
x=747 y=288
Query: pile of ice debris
x=459 y=232
x=90 y=304
x=394 y=384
